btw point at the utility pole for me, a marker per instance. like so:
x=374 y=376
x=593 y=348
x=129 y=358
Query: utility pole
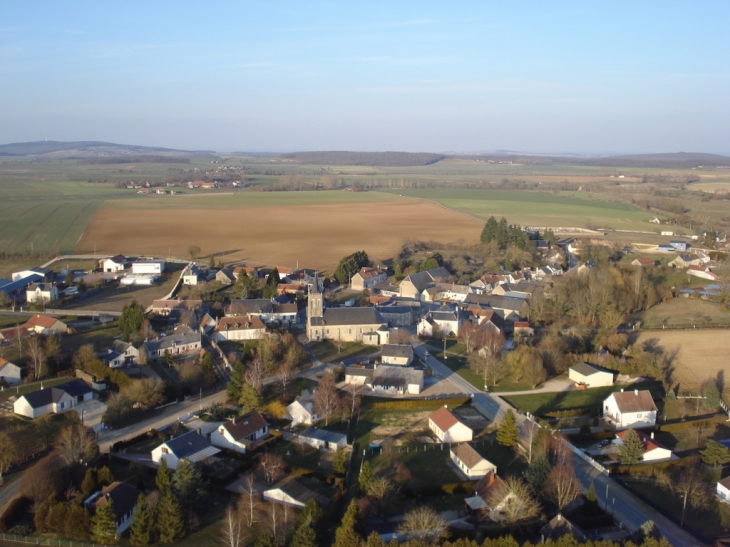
x=684 y=507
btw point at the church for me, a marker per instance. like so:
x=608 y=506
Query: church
x=365 y=325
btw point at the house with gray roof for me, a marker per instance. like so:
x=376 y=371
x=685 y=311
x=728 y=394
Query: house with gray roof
x=293 y=493
x=396 y=380
x=590 y=375
x=510 y=309
x=191 y=446
x=54 y=399
x=396 y=354
x=413 y=285
x=446 y=320
x=185 y=341
x=323 y=439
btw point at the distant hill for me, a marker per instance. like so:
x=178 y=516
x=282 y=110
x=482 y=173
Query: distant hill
x=677 y=160
x=90 y=149
x=370 y=159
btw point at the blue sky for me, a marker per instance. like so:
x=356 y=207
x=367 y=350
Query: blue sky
x=418 y=76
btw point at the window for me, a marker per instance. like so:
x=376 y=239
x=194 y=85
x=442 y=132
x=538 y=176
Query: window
x=165 y=450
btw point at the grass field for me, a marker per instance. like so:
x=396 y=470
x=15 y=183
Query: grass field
x=700 y=354
x=684 y=312
x=543 y=403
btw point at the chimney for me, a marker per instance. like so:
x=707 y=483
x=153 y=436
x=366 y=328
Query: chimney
x=636 y=392
x=234 y=420
x=622 y=390
x=652 y=434
x=198 y=431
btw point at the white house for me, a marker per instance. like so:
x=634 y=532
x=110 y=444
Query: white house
x=246 y=327
x=9 y=372
x=124 y=501
x=447 y=427
x=291 y=492
x=127 y=351
x=702 y=272
x=397 y=354
x=590 y=375
x=396 y=379
x=653 y=451
x=301 y=411
x=53 y=399
x=191 y=446
x=723 y=490
x=630 y=409
x=322 y=439
x=42 y=324
x=41 y=292
x=112 y=359
x=116 y=263
x=190 y=275
x=470 y=462
x=366 y=278
x=444 y=320
x=148 y=267
x=241 y=432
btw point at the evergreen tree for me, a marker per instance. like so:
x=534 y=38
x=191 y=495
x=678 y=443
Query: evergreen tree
x=711 y=395
x=250 y=399
x=187 y=484
x=235 y=386
x=508 y=433
x=131 y=319
x=264 y=540
x=591 y=495
x=348 y=534
x=366 y=478
x=502 y=233
x=272 y=282
x=169 y=523
x=537 y=472
x=89 y=484
x=104 y=476
x=715 y=453
x=162 y=479
x=140 y=531
x=374 y=540
x=304 y=537
x=339 y=462
x=631 y=451
x=432 y=262
x=77 y=524
x=104 y=524
x=489 y=232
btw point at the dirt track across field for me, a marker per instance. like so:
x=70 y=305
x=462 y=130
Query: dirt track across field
x=701 y=354
x=315 y=235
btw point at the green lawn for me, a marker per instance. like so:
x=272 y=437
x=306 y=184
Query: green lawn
x=543 y=403
x=22 y=389
x=327 y=352
x=101 y=339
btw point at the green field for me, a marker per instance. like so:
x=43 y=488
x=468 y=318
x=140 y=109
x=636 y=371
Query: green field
x=543 y=403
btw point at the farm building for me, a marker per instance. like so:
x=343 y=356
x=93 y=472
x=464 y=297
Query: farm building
x=590 y=375
x=138 y=279
x=367 y=278
x=41 y=292
x=148 y=267
x=123 y=498
x=191 y=446
x=702 y=272
x=291 y=492
x=117 y=263
x=45 y=274
x=301 y=411
x=239 y=328
x=53 y=399
x=323 y=439
x=684 y=260
x=470 y=462
x=15 y=290
x=447 y=427
x=388 y=379
x=397 y=354
x=9 y=372
x=630 y=409
x=241 y=432
x=345 y=324
x=679 y=244
x=654 y=452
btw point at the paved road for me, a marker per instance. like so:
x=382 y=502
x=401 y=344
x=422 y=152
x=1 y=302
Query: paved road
x=9 y=493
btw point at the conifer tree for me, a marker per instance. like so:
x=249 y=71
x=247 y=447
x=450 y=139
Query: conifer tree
x=631 y=451
x=339 y=462
x=366 y=478
x=715 y=453
x=272 y=282
x=104 y=476
x=348 y=534
x=508 y=433
x=169 y=523
x=104 y=524
x=140 y=531
x=591 y=495
x=250 y=399
x=304 y=537
x=537 y=472
x=162 y=479
x=374 y=540
x=187 y=484
x=89 y=484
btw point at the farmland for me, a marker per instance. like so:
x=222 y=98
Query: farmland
x=684 y=312
x=700 y=354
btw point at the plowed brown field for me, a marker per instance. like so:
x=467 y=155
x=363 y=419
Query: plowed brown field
x=701 y=354
x=315 y=235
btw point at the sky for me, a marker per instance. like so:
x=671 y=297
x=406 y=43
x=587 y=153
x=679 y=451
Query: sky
x=581 y=77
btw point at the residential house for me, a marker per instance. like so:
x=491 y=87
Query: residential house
x=301 y=411
x=397 y=354
x=590 y=375
x=148 y=267
x=225 y=276
x=11 y=333
x=558 y=527
x=470 y=462
x=723 y=490
x=445 y=292
x=686 y=259
x=112 y=359
x=491 y=495
x=165 y=307
x=447 y=427
x=367 y=278
x=293 y=493
x=643 y=262
x=386 y=289
x=184 y=341
x=344 y=324
x=123 y=498
x=396 y=380
x=191 y=446
x=630 y=409
x=487 y=319
x=241 y=432
x=42 y=324
x=702 y=272
x=239 y=328
x=508 y=308
x=523 y=328
x=654 y=451
x=251 y=271
x=398 y=316
x=679 y=244
x=191 y=274
x=127 y=351
x=9 y=372
x=322 y=439
x=116 y=263
x=270 y=312
x=413 y=285
x=53 y=399
x=446 y=321
x=517 y=290
x=41 y=293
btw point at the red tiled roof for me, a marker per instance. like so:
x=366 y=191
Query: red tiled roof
x=444 y=419
x=245 y=425
x=367 y=273
x=649 y=443
x=40 y=321
x=487 y=484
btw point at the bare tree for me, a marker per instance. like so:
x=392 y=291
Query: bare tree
x=354 y=397
x=249 y=502
x=254 y=375
x=233 y=534
x=339 y=344
x=36 y=352
x=8 y=453
x=561 y=485
x=382 y=490
x=279 y=520
x=145 y=393
x=690 y=483
x=468 y=333
x=285 y=373
x=75 y=443
x=19 y=341
x=325 y=398
x=272 y=466
x=513 y=498
x=399 y=336
x=424 y=524
x=534 y=371
x=528 y=435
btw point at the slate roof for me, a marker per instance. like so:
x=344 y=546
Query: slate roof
x=20 y=283
x=444 y=419
x=323 y=435
x=386 y=375
x=124 y=498
x=348 y=316
x=117 y=259
x=120 y=346
x=43 y=397
x=587 y=369
x=239 y=322
x=173 y=340
x=495 y=301
x=245 y=425
x=470 y=457
x=367 y=373
x=397 y=350
x=296 y=490
x=188 y=445
x=630 y=401
x=253 y=305
x=559 y=526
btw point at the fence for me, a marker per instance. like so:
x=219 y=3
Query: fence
x=46 y=541
x=584 y=456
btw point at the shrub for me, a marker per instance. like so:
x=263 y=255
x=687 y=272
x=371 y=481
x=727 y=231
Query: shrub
x=405 y=404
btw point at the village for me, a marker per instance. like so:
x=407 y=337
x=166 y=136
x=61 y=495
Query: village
x=269 y=401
